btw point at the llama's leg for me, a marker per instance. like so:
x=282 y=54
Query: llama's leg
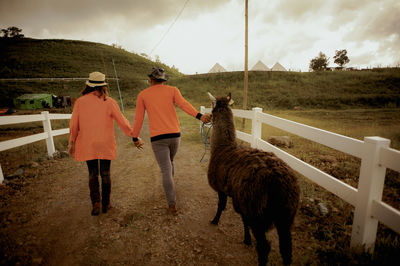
x=221 y=206
x=285 y=242
x=263 y=246
x=247 y=237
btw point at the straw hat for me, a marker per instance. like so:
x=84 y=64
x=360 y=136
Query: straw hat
x=96 y=79
x=158 y=74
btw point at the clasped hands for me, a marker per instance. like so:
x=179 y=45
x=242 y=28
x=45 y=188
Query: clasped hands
x=206 y=118
x=139 y=144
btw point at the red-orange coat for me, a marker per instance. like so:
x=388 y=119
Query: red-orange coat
x=92 y=127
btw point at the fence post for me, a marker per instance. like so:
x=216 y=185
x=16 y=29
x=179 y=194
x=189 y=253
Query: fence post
x=256 y=127
x=1 y=175
x=47 y=128
x=370 y=188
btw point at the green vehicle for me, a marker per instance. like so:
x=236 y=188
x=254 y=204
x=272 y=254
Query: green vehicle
x=33 y=101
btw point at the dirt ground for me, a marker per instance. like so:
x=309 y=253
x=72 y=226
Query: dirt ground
x=46 y=220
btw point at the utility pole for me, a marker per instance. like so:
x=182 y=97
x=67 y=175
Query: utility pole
x=105 y=72
x=119 y=91
x=246 y=52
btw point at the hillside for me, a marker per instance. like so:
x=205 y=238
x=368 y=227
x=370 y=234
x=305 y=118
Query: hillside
x=309 y=90
x=32 y=58
x=23 y=58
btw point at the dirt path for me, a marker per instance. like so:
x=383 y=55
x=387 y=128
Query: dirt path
x=48 y=221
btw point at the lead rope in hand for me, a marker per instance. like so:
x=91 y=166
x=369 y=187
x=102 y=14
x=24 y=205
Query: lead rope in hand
x=204 y=137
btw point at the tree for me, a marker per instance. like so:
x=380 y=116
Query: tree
x=12 y=32
x=319 y=63
x=341 y=57
x=5 y=33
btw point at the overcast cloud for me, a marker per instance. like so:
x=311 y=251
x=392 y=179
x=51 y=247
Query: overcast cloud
x=291 y=32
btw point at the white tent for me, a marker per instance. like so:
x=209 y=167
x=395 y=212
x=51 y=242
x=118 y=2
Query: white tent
x=260 y=66
x=278 y=67
x=217 y=68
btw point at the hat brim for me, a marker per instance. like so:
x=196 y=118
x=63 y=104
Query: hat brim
x=158 y=79
x=90 y=84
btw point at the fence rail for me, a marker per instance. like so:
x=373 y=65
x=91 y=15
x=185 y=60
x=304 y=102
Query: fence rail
x=375 y=155
x=47 y=135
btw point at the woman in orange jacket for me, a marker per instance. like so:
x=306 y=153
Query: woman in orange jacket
x=92 y=136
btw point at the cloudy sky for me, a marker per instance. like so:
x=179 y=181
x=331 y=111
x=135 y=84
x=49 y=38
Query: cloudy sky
x=193 y=35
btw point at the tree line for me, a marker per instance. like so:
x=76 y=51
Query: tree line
x=321 y=62
x=12 y=32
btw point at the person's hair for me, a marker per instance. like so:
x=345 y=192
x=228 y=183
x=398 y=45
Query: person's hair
x=102 y=90
x=158 y=81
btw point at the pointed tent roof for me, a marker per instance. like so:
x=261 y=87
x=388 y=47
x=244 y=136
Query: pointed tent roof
x=278 y=67
x=260 y=66
x=217 y=68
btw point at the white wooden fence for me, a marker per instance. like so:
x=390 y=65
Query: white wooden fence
x=375 y=156
x=48 y=133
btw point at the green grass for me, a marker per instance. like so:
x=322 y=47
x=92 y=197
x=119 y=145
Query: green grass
x=287 y=90
x=31 y=58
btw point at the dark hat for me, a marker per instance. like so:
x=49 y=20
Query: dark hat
x=158 y=74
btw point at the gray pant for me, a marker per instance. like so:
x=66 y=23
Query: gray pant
x=164 y=151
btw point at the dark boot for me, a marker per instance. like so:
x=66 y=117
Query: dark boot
x=105 y=191
x=94 y=189
x=172 y=209
x=96 y=209
x=105 y=197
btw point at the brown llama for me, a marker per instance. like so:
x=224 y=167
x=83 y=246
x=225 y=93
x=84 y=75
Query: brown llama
x=263 y=188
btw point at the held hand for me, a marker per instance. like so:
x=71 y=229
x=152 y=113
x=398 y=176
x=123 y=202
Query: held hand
x=139 y=144
x=206 y=118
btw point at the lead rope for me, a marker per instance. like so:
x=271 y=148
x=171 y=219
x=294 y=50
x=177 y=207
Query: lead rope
x=204 y=137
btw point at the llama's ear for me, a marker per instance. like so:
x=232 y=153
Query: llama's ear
x=212 y=98
x=229 y=97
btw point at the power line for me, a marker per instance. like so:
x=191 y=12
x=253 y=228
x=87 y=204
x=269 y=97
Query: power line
x=165 y=34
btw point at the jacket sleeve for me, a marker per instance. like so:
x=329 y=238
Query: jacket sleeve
x=185 y=105
x=74 y=123
x=121 y=120
x=139 y=116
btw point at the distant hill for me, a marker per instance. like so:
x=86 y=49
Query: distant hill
x=30 y=58
x=33 y=58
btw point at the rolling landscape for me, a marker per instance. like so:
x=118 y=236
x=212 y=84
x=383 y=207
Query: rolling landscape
x=354 y=103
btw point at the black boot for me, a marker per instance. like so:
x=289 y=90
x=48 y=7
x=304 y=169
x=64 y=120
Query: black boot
x=94 y=194
x=105 y=196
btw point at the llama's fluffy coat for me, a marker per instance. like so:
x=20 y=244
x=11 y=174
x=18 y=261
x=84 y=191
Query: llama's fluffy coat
x=263 y=188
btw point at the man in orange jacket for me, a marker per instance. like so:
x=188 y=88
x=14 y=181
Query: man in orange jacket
x=159 y=101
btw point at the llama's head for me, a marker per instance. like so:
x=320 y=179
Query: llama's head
x=221 y=102
x=221 y=106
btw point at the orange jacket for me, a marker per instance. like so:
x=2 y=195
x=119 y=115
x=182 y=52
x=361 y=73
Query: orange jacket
x=159 y=102
x=92 y=127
